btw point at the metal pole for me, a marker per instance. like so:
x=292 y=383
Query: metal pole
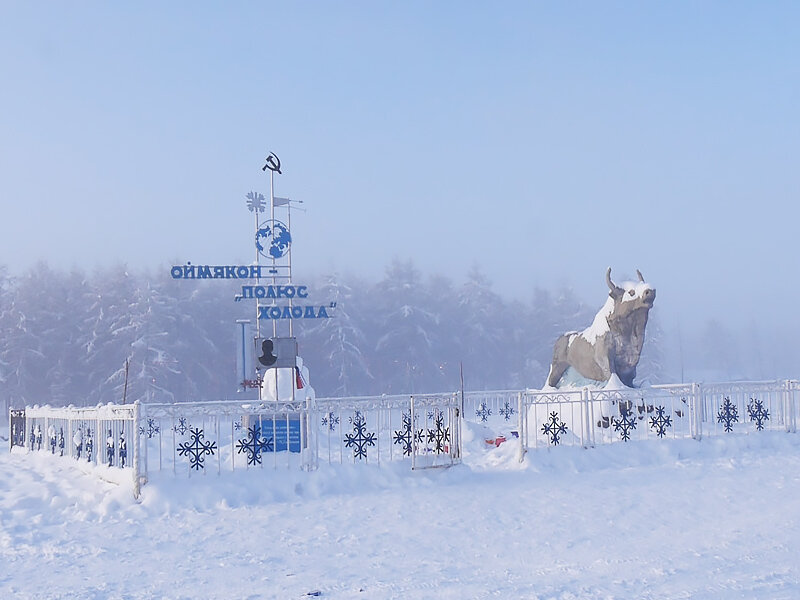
x=135 y=439
x=258 y=272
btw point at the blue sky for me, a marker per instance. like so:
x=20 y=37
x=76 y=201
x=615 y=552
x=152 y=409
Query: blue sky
x=541 y=141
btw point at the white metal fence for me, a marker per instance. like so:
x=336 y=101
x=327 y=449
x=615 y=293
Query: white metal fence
x=189 y=439
x=101 y=435
x=590 y=417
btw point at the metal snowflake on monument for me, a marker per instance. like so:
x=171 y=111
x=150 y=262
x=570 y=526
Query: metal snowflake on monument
x=440 y=435
x=360 y=438
x=182 y=427
x=256 y=202
x=484 y=412
x=152 y=428
x=728 y=414
x=254 y=445
x=660 y=422
x=554 y=428
x=507 y=411
x=757 y=412
x=237 y=425
x=405 y=436
x=197 y=449
x=330 y=421
x=624 y=426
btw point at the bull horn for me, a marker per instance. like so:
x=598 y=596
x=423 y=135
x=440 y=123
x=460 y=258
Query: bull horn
x=639 y=273
x=611 y=285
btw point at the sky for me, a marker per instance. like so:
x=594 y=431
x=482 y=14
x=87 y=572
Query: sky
x=543 y=142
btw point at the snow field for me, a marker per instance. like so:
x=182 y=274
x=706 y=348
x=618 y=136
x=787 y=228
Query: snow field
x=666 y=519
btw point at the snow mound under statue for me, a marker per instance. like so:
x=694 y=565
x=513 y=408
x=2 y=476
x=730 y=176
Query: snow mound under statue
x=611 y=345
x=287 y=384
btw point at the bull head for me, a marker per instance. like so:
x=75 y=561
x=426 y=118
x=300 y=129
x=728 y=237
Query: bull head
x=640 y=291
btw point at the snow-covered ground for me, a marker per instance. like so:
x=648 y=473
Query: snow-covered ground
x=674 y=519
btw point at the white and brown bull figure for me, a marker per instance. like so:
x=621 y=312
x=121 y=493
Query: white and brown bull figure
x=613 y=343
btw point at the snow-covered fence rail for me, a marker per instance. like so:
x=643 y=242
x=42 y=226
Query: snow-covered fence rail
x=101 y=435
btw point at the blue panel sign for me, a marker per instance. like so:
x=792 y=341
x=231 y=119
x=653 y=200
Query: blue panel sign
x=278 y=431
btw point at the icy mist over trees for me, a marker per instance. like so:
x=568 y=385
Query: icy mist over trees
x=65 y=337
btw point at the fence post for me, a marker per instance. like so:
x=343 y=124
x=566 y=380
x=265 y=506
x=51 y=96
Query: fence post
x=586 y=420
x=696 y=407
x=522 y=425
x=136 y=438
x=587 y=401
x=788 y=406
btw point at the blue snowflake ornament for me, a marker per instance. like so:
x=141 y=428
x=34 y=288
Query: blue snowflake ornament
x=254 y=445
x=757 y=412
x=554 y=428
x=507 y=411
x=624 y=426
x=661 y=422
x=197 y=449
x=360 y=439
x=407 y=435
x=484 y=412
x=440 y=436
x=182 y=426
x=728 y=414
x=330 y=421
x=151 y=430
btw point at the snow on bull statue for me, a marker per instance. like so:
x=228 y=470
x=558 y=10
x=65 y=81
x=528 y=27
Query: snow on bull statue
x=613 y=343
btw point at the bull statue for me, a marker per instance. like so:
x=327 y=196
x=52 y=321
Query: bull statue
x=613 y=343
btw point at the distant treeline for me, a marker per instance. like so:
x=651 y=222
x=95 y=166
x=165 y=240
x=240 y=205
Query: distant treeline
x=65 y=337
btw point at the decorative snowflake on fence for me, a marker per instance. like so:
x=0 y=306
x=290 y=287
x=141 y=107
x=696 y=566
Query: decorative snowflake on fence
x=254 y=445
x=728 y=414
x=624 y=425
x=152 y=428
x=660 y=422
x=330 y=421
x=404 y=435
x=757 y=412
x=440 y=435
x=197 y=449
x=361 y=438
x=237 y=425
x=484 y=412
x=554 y=429
x=507 y=411
x=182 y=426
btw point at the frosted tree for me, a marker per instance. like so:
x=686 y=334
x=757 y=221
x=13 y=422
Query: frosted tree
x=336 y=346
x=405 y=327
x=484 y=337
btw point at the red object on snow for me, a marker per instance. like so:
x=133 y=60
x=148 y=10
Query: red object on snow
x=499 y=440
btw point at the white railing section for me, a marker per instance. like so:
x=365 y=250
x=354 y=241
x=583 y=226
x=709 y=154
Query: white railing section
x=198 y=438
x=101 y=435
x=422 y=430
x=589 y=417
x=192 y=439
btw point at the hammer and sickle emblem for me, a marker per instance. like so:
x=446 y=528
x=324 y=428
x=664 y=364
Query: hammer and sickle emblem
x=273 y=164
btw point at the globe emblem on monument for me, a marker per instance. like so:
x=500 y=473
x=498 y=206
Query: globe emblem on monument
x=273 y=239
